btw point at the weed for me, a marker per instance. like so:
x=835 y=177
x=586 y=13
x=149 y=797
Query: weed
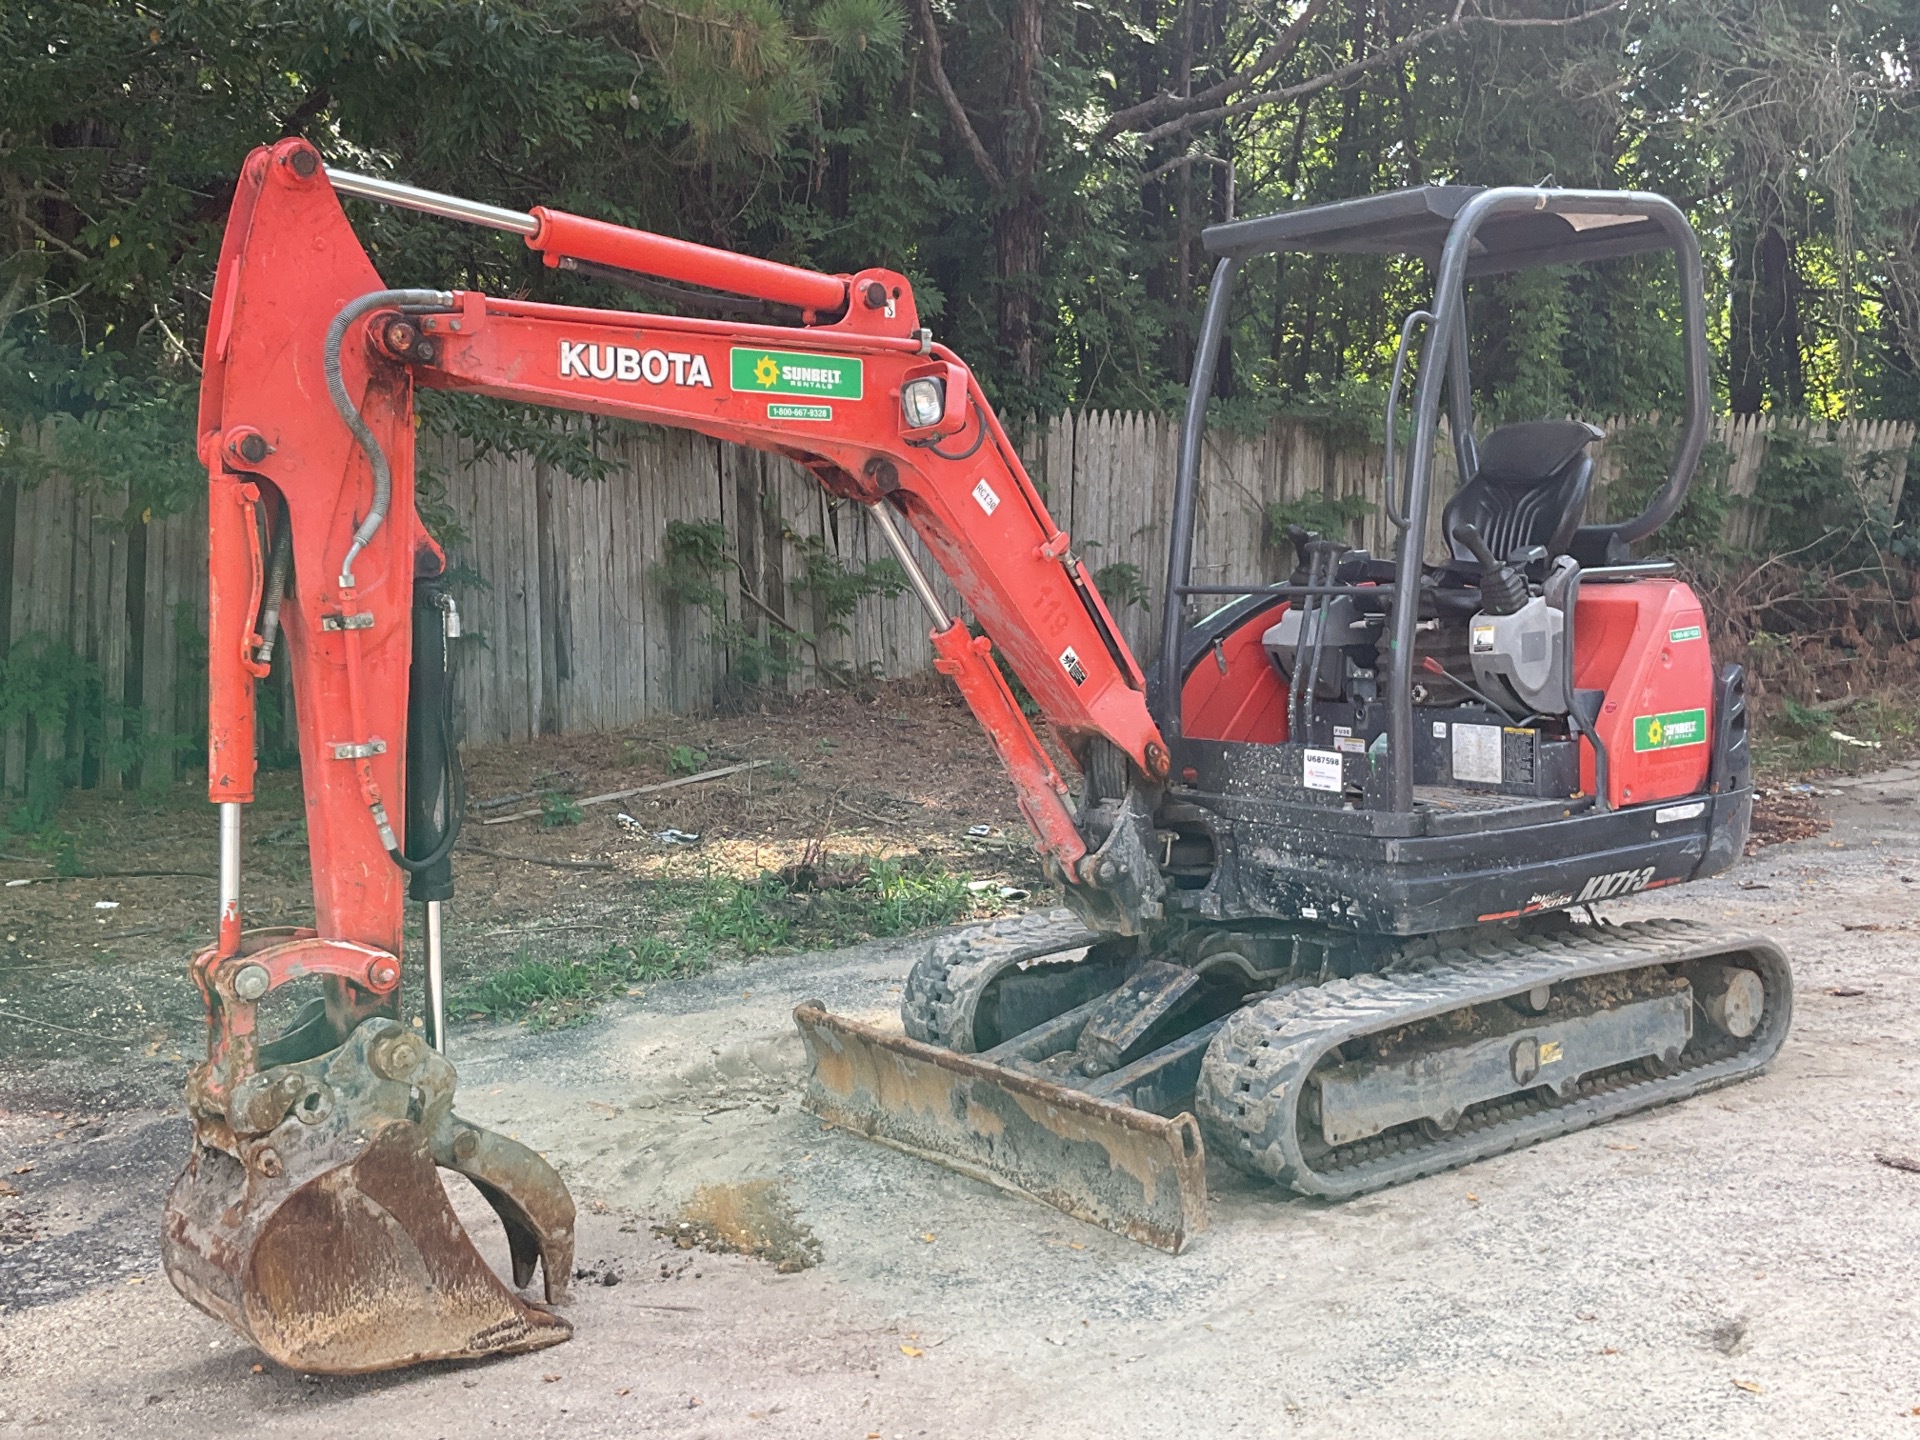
x=904 y=899
x=557 y=809
x=564 y=990
x=1333 y=516
x=1121 y=585
x=1851 y=735
x=800 y=908
x=744 y=914
x=685 y=760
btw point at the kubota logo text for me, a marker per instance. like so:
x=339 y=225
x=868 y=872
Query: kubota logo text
x=623 y=362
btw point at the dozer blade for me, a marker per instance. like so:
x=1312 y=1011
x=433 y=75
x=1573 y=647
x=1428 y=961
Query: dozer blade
x=312 y=1219
x=1138 y=1174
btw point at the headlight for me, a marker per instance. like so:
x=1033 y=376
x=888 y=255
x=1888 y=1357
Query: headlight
x=923 y=401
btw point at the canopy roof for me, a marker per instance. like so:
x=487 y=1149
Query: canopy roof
x=1572 y=227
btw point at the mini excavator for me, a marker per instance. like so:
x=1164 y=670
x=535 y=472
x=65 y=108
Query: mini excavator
x=1320 y=871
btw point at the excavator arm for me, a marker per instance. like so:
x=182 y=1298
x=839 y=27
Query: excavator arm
x=307 y=410
x=306 y=427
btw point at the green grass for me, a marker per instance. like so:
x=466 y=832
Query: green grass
x=548 y=993
x=874 y=898
x=718 y=914
x=1799 y=739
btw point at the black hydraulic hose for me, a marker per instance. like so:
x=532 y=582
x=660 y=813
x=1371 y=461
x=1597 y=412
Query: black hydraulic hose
x=456 y=777
x=350 y=413
x=932 y=447
x=275 y=592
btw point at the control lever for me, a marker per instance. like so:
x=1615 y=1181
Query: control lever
x=1503 y=589
x=1303 y=541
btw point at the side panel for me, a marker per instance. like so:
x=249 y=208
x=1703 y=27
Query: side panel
x=1645 y=644
x=1245 y=701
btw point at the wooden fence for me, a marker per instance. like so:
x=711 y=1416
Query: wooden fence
x=571 y=626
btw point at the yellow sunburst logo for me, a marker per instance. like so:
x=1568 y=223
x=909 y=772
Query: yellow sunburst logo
x=1656 y=732
x=767 y=371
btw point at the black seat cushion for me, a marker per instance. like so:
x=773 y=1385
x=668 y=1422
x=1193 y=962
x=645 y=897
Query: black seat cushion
x=1531 y=488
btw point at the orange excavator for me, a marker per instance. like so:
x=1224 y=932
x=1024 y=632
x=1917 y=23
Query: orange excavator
x=1318 y=870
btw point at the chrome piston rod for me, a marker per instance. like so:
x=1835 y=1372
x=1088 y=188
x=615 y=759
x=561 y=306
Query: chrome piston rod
x=229 y=859
x=432 y=202
x=436 y=980
x=916 y=577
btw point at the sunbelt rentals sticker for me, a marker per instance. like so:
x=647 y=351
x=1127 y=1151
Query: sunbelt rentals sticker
x=781 y=372
x=1670 y=732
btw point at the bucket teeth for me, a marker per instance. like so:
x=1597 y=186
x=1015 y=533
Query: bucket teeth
x=311 y=1217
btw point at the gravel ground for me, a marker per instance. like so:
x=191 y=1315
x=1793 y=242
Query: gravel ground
x=1740 y=1265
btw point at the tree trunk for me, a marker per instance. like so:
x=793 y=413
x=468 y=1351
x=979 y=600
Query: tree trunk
x=1763 y=360
x=1019 y=229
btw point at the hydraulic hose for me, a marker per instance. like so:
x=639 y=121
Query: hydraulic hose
x=350 y=413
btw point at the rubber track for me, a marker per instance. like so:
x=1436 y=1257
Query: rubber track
x=944 y=987
x=1251 y=1080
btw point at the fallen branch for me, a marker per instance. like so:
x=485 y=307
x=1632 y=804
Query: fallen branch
x=1898 y=1162
x=613 y=795
x=540 y=860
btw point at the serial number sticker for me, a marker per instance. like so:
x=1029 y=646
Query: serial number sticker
x=985 y=498
x=1669 y=814
x=1476 y=754
x=1070 y=662
x=1685 y=632
x=1320 y=770
x=1671 y=731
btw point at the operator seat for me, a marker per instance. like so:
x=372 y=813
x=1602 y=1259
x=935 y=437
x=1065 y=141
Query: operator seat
x=1531 y=489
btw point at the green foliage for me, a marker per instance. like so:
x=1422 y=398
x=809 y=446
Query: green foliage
x=762 y=649
x=696 y=557
x=1121 y=585
x=834 y=589
x=685 y=760
x=557 y=810
x=564 y=990
x=1810 y=495
x=1644 y=453
x=1332 y=516
x=48 y=692
x=495 y=427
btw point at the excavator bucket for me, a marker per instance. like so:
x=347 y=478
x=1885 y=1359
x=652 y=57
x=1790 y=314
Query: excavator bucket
x=311 y=1216
x=1139 y=1174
